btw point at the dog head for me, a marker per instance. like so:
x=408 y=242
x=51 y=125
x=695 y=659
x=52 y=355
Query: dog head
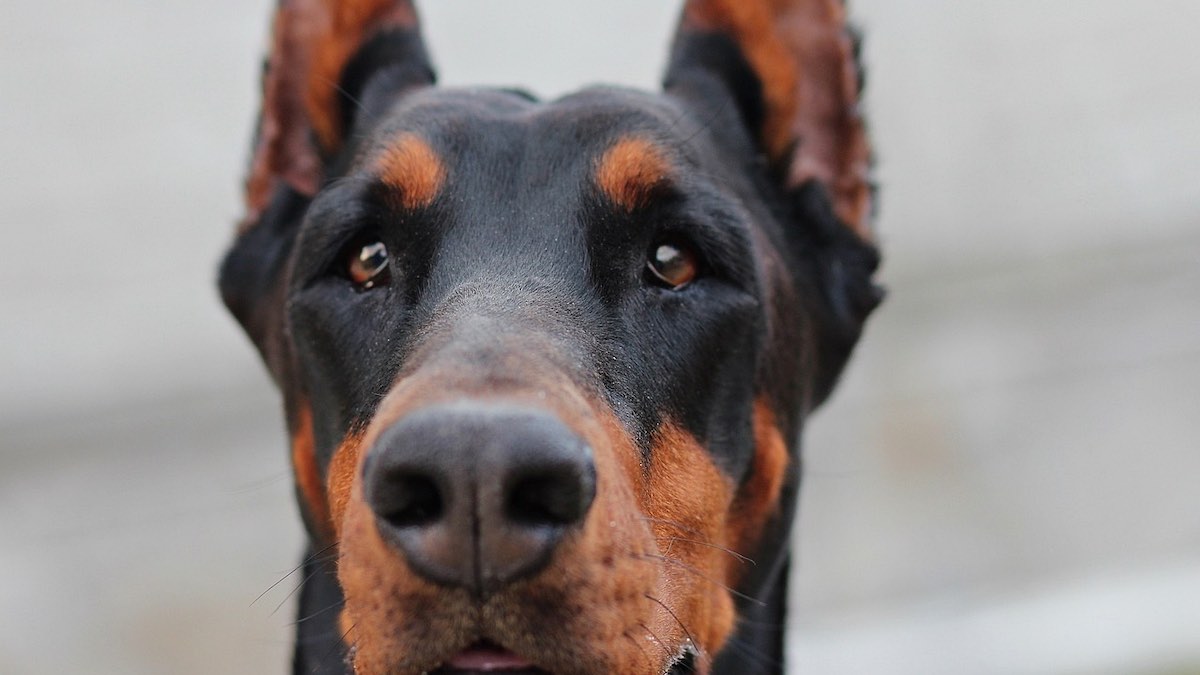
x=545 y=364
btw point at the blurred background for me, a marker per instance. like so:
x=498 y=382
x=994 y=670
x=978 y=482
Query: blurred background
x=1005 y=483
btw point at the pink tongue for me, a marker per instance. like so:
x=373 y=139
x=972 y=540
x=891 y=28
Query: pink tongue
x=488 y=659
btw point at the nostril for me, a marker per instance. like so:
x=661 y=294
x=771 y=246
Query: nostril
x=477 y=496
x=413 y=500
x=555 y=497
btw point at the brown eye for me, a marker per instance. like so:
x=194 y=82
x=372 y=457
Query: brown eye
x=367 y=264
x=672 y=266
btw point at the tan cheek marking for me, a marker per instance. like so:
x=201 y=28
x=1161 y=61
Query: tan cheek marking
x=343 y=469
x=758 y=497
x=630 y=171
x=689 y=499
x=411 y=167
x=308 y=474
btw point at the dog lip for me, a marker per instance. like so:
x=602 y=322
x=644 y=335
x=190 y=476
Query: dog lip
x=485 y=657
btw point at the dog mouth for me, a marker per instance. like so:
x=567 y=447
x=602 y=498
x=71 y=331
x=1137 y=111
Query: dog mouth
x=485 y=657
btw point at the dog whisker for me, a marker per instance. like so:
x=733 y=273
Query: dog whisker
x=706 y=124
x=317 y=613
x=654 y=638
x=682 y=627
x=753 y=653
x=730 y=551
x=310 y=558
x=349 y=649
x=676 y=524
x=298 y=586
x=639 y=646
x=688 y=568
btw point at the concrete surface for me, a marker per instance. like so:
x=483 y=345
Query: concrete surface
x=1006 y=482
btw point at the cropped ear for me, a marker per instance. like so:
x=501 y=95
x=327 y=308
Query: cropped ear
x=331 y=63
x=791 y=68
x=323 y=53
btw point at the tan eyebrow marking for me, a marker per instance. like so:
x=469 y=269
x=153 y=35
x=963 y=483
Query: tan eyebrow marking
x=631 y=171
x=414 y=169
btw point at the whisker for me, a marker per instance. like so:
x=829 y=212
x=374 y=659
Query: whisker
x=730 y=551
x=307 y=559
x=341 y=641
x=686 y=632
x=753 y=653
x=639 y=646
x=339 y=89
x=686 y=567
x=317 y=613
x=246 y=488
x=298 y=586
x=674 y=523
x=771 y=625
x=657 y=640
x=707 y=124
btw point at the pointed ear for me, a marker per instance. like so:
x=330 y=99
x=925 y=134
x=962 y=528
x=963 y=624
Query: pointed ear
x=323 y=53
x=790 y=67
x=331 y=63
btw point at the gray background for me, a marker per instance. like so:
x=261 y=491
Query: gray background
x=1005 y=483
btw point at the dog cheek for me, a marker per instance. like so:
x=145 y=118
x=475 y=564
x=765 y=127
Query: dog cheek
x=369 y=605
x=688 y=498
x=392 y=620
x=757 y=498
x=361 y=572
x=341 y=479
x=309 y=486
x=606 y=576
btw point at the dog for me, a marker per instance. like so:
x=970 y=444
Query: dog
x=545 y=364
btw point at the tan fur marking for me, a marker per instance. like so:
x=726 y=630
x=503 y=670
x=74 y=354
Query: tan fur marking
x=758 y=498
x=343 y=476
x=413 y=169
x=308 y=474
x=689 y=500
x=630 y=171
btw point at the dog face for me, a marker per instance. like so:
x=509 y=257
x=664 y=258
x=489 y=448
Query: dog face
x=545 y=364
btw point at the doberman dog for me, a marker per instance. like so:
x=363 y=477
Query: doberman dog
x=545 y=364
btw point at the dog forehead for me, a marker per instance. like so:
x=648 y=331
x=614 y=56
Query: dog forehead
x=484 y=131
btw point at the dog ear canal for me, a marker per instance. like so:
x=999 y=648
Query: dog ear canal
x=326 y=57
x=791 y=70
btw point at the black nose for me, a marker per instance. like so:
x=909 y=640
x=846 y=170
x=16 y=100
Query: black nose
x=478 y=495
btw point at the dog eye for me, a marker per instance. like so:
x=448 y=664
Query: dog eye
x=366 y=264
x=671 y=265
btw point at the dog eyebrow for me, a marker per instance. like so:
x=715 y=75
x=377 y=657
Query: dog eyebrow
x=413 y=168
x=631 y=171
